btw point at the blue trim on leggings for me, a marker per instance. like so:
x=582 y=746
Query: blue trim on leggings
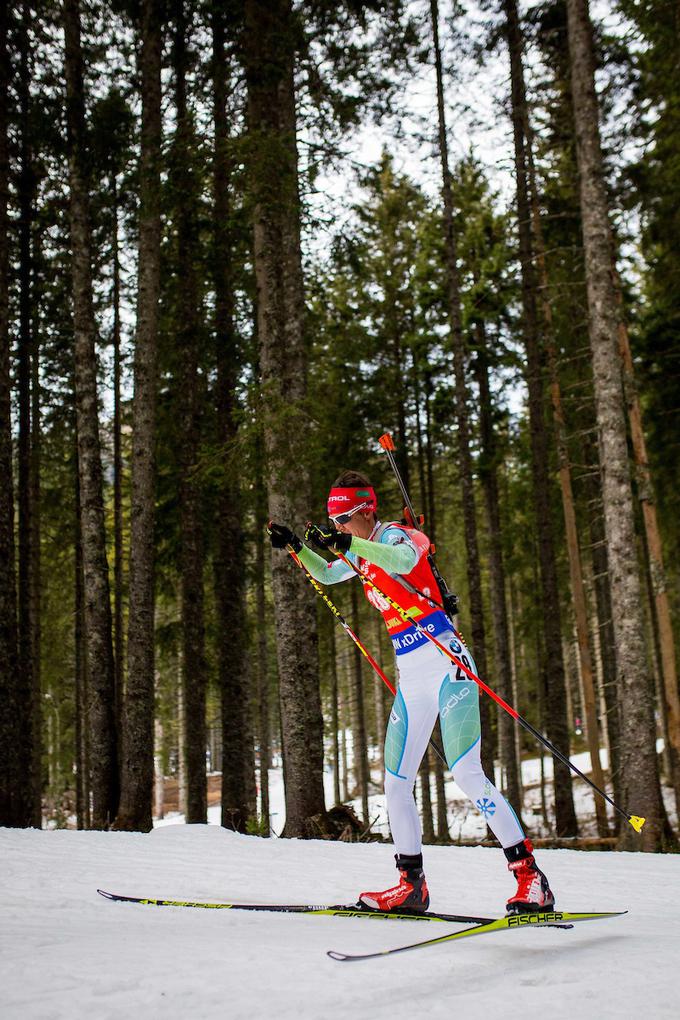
x=453 y=764
x=514 y=815
x=399 y=700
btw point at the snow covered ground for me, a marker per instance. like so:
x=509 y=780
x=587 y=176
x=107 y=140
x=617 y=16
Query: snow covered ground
x=66 y=952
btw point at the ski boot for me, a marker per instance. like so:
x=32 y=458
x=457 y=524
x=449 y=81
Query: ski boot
x=533 y=892
x=409 y=896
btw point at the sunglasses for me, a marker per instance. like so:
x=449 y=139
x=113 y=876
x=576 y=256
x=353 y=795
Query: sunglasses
x=344 y=518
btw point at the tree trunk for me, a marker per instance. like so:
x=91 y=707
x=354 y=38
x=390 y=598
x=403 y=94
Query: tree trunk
x=420 y=440
x=36 y=568
x=14 y=809
x=395 y=344
x=426 y=473
x=645 y=493
x=489 y=480
x=440 y=788
x=232 y=649
x=517 y=698
x=335 y=714
x=34 y=473
x=426 y=798
x=158 y=779
x=269 y=52
x=605 y=622
x=189 y=332
x=578 y=596
x=462 y=423
x=263 y=681
x=342 y=711
x=574 y=554
x=26 y=718
x=379 y=692
x=101 y=707
x=429 y=502
x=118 y=671
x=137 y=764
x=181 y=750
x=359 y=742
x=557 y=723
x=432 y=510
x=82 y=748
x=640 y=776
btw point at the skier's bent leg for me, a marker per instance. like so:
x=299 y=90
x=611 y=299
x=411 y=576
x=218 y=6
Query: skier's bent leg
x=459 y=713
x=470 y=777
x=461 y=731
x=403 y=814
x=408 y=731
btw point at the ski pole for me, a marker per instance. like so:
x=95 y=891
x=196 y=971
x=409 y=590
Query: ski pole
x=348 y=630
x=634 y=820
x=449 y=600
x=341 y=620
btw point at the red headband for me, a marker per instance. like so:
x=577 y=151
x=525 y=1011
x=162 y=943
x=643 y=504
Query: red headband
x=341 y=501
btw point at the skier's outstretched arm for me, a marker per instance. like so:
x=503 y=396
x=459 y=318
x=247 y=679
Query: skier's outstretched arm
x=327 y=573
x=394 y=553
x=282 y=537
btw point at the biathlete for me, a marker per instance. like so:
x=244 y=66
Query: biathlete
x=395 y=557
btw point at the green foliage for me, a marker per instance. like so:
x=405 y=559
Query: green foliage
x=656 y=178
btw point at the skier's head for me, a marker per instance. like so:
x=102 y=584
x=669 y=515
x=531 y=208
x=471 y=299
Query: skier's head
x=352 y=503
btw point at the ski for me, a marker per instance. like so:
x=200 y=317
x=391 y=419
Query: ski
x=514 y=922
x=333 y=910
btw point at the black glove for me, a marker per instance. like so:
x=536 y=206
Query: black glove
x=280 y=536
x=326 y=538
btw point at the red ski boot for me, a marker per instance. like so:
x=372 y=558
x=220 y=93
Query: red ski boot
x=409 y=896
x=533 y=892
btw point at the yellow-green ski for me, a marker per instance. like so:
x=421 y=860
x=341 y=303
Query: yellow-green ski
x=328 y=910
x=515 y=922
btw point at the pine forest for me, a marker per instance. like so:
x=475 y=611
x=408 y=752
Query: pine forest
x=240 y=242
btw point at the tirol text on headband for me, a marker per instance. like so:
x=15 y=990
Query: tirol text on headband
x=343 y=503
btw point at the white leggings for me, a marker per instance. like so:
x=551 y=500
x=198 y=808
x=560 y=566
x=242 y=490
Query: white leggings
x=430 y=684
